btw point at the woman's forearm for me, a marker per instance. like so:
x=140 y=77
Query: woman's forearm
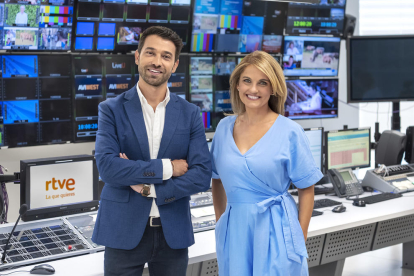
x=219 y=198
x=306 y=201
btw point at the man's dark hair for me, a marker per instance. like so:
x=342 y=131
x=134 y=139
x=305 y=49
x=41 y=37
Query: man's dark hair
x=164 y=33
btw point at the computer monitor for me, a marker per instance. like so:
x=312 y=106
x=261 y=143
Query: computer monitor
x=53 y=187
x=311 y=56
x=327 y=17
x=377 y=77
x=348 y=148
x=315 y=137
x=312 y=99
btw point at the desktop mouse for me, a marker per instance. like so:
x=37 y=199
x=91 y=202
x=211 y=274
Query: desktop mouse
x=359 y=203
x=43 y=269
x=339 y=209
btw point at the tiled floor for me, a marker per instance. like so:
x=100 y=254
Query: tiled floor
x=383 y=262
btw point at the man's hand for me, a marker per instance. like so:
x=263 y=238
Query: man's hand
x=137 y=188
x=180 y=167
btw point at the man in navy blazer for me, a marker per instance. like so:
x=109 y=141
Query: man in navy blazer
x=152 y=154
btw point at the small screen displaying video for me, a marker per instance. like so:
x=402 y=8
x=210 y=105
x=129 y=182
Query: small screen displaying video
x=20 y=66
x=87 y=65
x=158 y=14
x=58 y=2
x=15 y=112
x=311 y=56
x=19 y=135
x=55 y=88
x=84 y=43
x=105 y=44
x=201 y=65
x=85 y=28
x=86 y=130
x=55 y=132
x=205 y=23
x=272 y=44
x=20 y=38
x=129 y=35
x=117 y=85
x=55 y=39
x=201 y=83
x=87 y=109
x=54 y=65
x=88 y=11
x=54 y=110
x=180 y=15
x=119 y=65
x=88 y=87
x=312 y=99
x=177 y=83
x=204 y=101
x=275 y=18
x=249 y=43
x=113 y=12
x=21 y=15
x=106 y=29
x=222 y=101
x=224 y=65
x=55 y=16
x=136 y=13
x=20 y=89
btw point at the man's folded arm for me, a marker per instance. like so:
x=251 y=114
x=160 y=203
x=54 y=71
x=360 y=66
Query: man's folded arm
x=113 y=169
x=198 y=177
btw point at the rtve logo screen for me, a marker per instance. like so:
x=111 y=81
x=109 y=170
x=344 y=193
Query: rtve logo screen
x=61 y=184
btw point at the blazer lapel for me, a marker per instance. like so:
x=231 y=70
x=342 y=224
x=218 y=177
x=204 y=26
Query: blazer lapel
x=134 y=111
x=171 y=120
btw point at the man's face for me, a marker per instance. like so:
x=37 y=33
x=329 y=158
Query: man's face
x=156 y=62
x=22 y=9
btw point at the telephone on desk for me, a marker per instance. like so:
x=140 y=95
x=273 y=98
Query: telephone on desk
x=345 y=182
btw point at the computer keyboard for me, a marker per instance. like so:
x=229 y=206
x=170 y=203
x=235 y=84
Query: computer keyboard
x=316 y=213
x=400 y=169
x=323 y=203
x=379 y=197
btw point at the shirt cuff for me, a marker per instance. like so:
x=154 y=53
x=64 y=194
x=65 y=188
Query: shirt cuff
x=167 y=169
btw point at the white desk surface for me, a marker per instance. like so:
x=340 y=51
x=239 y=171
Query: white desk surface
x=204 y=247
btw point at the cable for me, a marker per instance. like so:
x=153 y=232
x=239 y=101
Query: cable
x=15 y=272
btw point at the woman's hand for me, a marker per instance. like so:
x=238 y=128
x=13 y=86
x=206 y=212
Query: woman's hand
x=306 y=201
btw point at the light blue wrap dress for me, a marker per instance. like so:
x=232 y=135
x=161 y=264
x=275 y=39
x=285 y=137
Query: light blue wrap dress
x=259 y=233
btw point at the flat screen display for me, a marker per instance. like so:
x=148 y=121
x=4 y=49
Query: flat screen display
x=374 y=76
x=105 y=44
x=311 y=99
x=85 y=28
x=106 y=29
x=84 y=44
x=311 y=56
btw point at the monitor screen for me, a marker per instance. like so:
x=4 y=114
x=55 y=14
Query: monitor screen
x=88 y=87
x=327 y=17
x=119 y=65
x=84 y=44
x=311 y=56
x=201 y=65
x=54 y=66
x=55 y=39
x=272 y=44
x=136 y=13
x=129 y=35
x=55 y=132
x=177 y=83
x=88 y=11
x=224 y=65
x=201 y=83
x=137 y=2
x=374 y=76
x=85 y=28
x=20 y=89
x=55 y=88
x=315 y=137
x=20 y=66
x=116 y=85
x=180 y=15
x=105 y=44
x=49 y=184
x=158 y=14
x=87 y=65
x=348 y=148
x=312 y=99
x=106 y=29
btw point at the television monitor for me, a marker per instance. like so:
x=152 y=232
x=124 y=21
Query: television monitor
x=158 y=14
x=201 y=83
x=177 y=83
x=113 y=12
x=252 y=25
x=17 y=112
x=88 y=11
x=136 y=13
x=224 y=65
x=312 y=99
x=201 y=65
x=205 y=23
x=20 y=38
x=87 y=109
x=55 y=39
x=116 y=85
x=227 y=42
x=119 y=65
x=106 y=29
x=87 y=65
x=180 y=15
x=84 y=44
x=58 y=2
x=315 y=137
x=129 y=35
x=327 y=17
x=222 y=101
x=55 y=88
x=180 y=2
x=249 y=43
x=311 y=56
x=54 y=66
x=105 y=44
x=88 y=87
x=208 y=7
x=85 y=28
x=53 y=187
x=20 y=134
x=85 y=130
x=20 y=89
x=376 y=77
x=229 y=7
x=55 y=132
x=159 y=2
x=137 y=2
x=54 y=110
x=55 y=17
x=272 y=44
x=254 y=8
x=21 y=15
x=275 y=18
x=348 y=148
x=20 y=66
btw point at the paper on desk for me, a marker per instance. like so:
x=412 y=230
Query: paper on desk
x=202 y=211
x=411 y=179
x=407 y=184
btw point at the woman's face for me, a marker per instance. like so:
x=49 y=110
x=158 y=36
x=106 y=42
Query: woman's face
x=291 y=45
x=254 y=88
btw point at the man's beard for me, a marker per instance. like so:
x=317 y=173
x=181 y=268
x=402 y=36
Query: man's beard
x=152 y=80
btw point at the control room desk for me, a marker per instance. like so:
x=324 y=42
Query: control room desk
x=332 y=238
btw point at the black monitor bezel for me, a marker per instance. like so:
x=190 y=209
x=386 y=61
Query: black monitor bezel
x=55 y=211
x=322 y=144
x=348 y=65
x=342 y=130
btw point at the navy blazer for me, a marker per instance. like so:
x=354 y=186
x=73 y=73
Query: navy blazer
x=123 y=213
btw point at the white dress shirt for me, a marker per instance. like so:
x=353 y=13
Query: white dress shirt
x=21 y=19
x=154 y=123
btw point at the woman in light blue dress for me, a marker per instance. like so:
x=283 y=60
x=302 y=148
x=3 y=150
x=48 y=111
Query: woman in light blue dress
x=256 y=154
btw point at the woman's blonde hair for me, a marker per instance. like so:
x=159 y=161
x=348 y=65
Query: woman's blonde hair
x=268 y=66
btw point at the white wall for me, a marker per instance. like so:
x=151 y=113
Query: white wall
x=10 y=158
